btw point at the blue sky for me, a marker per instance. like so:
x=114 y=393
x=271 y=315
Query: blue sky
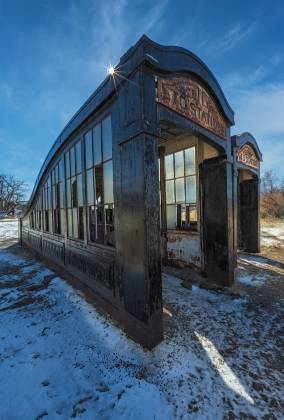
x=54 y=53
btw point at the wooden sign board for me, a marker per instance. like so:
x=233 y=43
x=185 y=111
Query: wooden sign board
x=190 y=99
x=247 y=156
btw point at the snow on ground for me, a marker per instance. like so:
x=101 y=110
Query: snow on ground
x=59 y=359
x=272 y=235
x=8 y=229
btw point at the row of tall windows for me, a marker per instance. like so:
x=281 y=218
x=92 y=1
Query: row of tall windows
x=89 y=160
x=99 y=183
x=74 y=191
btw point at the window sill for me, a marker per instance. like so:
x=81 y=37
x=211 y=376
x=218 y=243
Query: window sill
x=183 y=232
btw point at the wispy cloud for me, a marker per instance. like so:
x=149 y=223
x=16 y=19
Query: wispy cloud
x=259 y=110
x=250 y=77
x=230 y=39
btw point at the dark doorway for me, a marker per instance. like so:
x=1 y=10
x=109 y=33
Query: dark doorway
x=248 y=215
x=216 y=193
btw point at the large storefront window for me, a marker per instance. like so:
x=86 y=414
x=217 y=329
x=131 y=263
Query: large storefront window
x=99 y=183
x=180 y=174
x=74 y=192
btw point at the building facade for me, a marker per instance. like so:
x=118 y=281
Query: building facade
x=145 y=173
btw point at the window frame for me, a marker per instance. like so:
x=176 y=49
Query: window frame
x=177 y=205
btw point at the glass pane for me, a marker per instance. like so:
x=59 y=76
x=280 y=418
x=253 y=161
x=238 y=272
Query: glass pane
x=92 y=223
x=72 y=161
x=193 y=214
x=89 y=149
x=80 y=190
x=57 y=173
x=170 y=191
x=179 y=165
x=169 y=166
x=90 y=187
x=53 y=197
x=97 y=145
x=184 y=222
x=180 y=193
x=190 y=189
x=61 y=195
x=109 y=219
x=68 y=193
x=190 y=161
x=50 y=220
x=81 y=223
x=108 y=182
x=99 y=184
x=171 y=217
x=50 y=198
x=107 y=138
x=62 y=221
x=67 y=164
x=69 y=216
x=100 y=224
x=61 y=170
x=78 y=157
x=74 y=192
x=75 y=223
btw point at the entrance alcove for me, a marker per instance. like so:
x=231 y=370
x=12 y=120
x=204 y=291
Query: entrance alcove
x=188 y=161
x=247 y=157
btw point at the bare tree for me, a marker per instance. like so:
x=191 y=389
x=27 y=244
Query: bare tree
x=269 y=182
x=12 y=192
x=272 y=196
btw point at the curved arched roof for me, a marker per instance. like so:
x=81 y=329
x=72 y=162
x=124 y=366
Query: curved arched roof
x=244 y=138
x=165 y=59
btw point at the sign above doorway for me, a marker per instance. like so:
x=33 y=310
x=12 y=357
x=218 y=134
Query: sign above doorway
x=190 y=99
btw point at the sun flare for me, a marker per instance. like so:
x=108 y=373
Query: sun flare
x=111 y=70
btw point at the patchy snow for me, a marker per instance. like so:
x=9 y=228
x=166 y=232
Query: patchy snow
x=251 y=280
x=60 y=359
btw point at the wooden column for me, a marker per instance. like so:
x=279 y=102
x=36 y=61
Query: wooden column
x=138 y=238
x=163 y=205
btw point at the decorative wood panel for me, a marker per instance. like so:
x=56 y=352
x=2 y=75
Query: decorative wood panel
x=53 y=249
x=192 y=100
x=247 y=156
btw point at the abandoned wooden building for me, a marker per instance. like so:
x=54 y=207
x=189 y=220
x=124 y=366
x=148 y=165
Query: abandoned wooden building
x=146 y=173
